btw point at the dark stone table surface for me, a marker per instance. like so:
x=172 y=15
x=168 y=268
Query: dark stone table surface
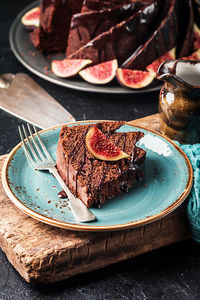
x=171 y=273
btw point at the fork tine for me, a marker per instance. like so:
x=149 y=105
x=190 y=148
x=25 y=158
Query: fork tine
x=42 y=144
x=25 y=146
x=30 y=144
x=35 y=143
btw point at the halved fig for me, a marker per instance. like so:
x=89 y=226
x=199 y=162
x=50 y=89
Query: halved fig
x=194 y=56
x=31 y=18
x=101 y=73
x=68 y=67
x=169 y=55
x=134 y=79
x=100 y=147
x=196 y=37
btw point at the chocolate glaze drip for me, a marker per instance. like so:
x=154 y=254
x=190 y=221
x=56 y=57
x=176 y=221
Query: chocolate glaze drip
x=81 y=164
x=173 y=29
x=130 y=27
x=166 y=32
x=157 y=46
x=90 y=177
x=62 y=195
x=99 y=198
x=133 y=167
x=124 y=185
x=67 y=177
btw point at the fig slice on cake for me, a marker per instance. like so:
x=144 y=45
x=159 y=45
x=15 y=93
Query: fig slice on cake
x=101 y=147
x=100 y=74
x=134 y=79
x=68 y=67
x=31 y=18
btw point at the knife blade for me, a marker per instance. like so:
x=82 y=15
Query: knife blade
x=21 y=96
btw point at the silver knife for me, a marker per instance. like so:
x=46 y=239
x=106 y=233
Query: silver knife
x=23 y=97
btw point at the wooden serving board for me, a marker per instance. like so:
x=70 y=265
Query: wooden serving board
x=44 y=254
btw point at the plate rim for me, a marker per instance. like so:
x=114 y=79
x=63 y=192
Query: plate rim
x=81 y=227
x=90 y=88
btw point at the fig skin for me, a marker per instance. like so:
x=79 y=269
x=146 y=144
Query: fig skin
x=95 y=138
x=31 y=19
x=68 y=67
x=134 y=79
x=100 y=74
x=137 y=79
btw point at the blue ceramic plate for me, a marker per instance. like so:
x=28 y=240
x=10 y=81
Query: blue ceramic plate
x=167 y=182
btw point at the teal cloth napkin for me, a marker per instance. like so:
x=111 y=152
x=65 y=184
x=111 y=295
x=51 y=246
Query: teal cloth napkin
x=193 y=206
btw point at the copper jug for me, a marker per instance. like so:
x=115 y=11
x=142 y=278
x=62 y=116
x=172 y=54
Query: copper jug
x=179 y=100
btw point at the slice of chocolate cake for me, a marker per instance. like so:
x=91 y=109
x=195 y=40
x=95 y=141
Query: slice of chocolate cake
x=93 y=180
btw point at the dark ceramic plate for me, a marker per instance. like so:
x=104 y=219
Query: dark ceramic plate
x=39 y=64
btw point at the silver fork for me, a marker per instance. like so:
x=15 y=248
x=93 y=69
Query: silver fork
x=43 y=161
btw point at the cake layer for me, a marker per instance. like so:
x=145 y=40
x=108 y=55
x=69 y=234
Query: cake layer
x=92 y=180
x=121 y=40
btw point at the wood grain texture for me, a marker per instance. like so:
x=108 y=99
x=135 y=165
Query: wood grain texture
x=44 y=254
x=150 y=122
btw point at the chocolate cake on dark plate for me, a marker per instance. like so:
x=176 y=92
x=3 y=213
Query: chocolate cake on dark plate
x=136 y=33
x=93 y=180
x=71 y=25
